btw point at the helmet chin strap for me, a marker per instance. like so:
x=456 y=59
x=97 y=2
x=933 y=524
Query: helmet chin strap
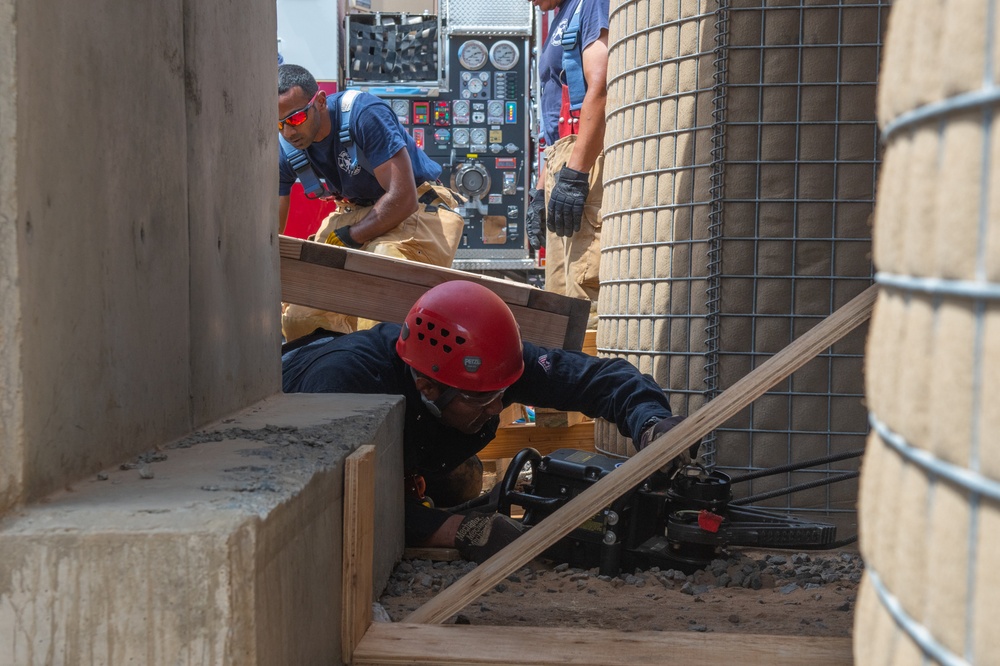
x=436 y=407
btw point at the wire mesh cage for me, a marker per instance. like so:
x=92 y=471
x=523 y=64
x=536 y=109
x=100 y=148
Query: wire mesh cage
x=741 y=160
x=393 y=48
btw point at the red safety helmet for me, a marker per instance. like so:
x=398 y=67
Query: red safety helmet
x=463 y=335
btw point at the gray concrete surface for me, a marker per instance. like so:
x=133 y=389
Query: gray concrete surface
x=139 y=278
x=223 y=547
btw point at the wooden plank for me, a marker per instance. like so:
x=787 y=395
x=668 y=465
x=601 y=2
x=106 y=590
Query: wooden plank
x=406 y=643
x=290 y=247
x=386 y=299
x=359 y=537
x=554 y=418
x=432 y=554
x=513 y=293
x=659 y=452
x=590 y=342
x=511 y=439
x=384 y=289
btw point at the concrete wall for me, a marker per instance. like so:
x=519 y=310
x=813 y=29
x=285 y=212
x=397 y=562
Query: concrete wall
x=137 y=228
x=222 y=547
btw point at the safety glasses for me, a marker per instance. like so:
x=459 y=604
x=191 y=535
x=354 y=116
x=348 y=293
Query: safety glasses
x=296 y=118
x=481 y=399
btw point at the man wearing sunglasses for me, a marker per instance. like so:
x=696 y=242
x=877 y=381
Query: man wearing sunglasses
x=458 y=359
x=389 y=200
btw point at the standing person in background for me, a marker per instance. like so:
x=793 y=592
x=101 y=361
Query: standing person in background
x=389 y=199
x=574 y=57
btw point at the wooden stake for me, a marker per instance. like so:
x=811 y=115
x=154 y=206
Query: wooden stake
x=359 y=536
x=659 y=452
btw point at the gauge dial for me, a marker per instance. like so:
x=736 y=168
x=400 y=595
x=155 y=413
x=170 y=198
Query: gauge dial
x=504 y=55
x=460 y=108
x=460 y=137
x=494 y=108
x=475 y=86
x=401 y=108
x=472 y=54
x=479 y=136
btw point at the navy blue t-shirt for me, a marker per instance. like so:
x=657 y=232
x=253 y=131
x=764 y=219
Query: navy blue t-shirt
x=377 y=135
x=593 y=19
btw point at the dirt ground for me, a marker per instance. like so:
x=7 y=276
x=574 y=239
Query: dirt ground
x=806 y=594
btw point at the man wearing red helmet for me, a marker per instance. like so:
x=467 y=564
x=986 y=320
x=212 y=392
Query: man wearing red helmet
x=458 y=359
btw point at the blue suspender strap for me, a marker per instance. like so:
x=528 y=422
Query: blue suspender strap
x=344 y=135
x=299 y=161
x=572 y=61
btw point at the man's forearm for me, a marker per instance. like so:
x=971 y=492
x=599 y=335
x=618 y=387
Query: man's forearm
x=590 y=140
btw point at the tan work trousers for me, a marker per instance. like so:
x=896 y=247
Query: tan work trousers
x=572 y=265
x=428 y=236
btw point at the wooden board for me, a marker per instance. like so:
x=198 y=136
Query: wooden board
x=659 y=452
x=381 y=288
x=471 y=644
x=359 y=536
x=511 y=439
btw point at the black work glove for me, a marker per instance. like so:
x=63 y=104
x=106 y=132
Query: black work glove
x=481 y=536
x=663 y=426
x=534 y=221
x=566 y=201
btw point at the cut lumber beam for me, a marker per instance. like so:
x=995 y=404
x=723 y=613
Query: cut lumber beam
x=359 y=547
x=511 y=439
x=658 y=453
x=363 y=284
x=539 y=646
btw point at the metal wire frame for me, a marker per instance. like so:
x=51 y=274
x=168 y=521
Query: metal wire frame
x=686 y=204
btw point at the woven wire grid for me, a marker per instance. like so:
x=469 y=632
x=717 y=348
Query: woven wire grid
x=768 y=176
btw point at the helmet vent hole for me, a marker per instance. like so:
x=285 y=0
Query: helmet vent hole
x=434 y=342
x=447 y=349
x=420 y=336
x=459 y=340
x=445 y=333
x=420 y=321
x=430 y=326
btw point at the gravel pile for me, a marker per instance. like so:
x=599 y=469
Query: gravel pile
x=780 y=571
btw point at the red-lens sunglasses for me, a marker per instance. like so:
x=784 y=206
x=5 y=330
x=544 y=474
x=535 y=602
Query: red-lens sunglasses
x=296 y=118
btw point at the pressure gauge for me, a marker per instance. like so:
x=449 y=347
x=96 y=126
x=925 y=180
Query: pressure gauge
x=472 y=54
x=504 y=55
x=478 y=136
x=460 y=137
x=475 y=86
x=401 y=108
x=460 y=111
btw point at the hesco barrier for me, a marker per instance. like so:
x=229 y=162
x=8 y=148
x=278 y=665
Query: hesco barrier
x=930 y=496
x=741 y=160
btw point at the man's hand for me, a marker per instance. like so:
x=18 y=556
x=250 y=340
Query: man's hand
x=342 y=237
x=566 y=201
x=534 y=222
x=663 y=426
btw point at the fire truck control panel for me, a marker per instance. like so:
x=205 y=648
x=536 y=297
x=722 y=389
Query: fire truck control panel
x=470 y=115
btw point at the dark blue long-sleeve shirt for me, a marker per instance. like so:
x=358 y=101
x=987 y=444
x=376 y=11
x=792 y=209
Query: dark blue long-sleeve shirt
x=367 y=362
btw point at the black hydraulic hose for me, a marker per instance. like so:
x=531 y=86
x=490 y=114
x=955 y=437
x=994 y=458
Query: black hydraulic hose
x=791 y=489
x=791 y=467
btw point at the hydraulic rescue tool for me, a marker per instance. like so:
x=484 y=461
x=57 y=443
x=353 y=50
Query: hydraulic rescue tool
x=678 y=519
